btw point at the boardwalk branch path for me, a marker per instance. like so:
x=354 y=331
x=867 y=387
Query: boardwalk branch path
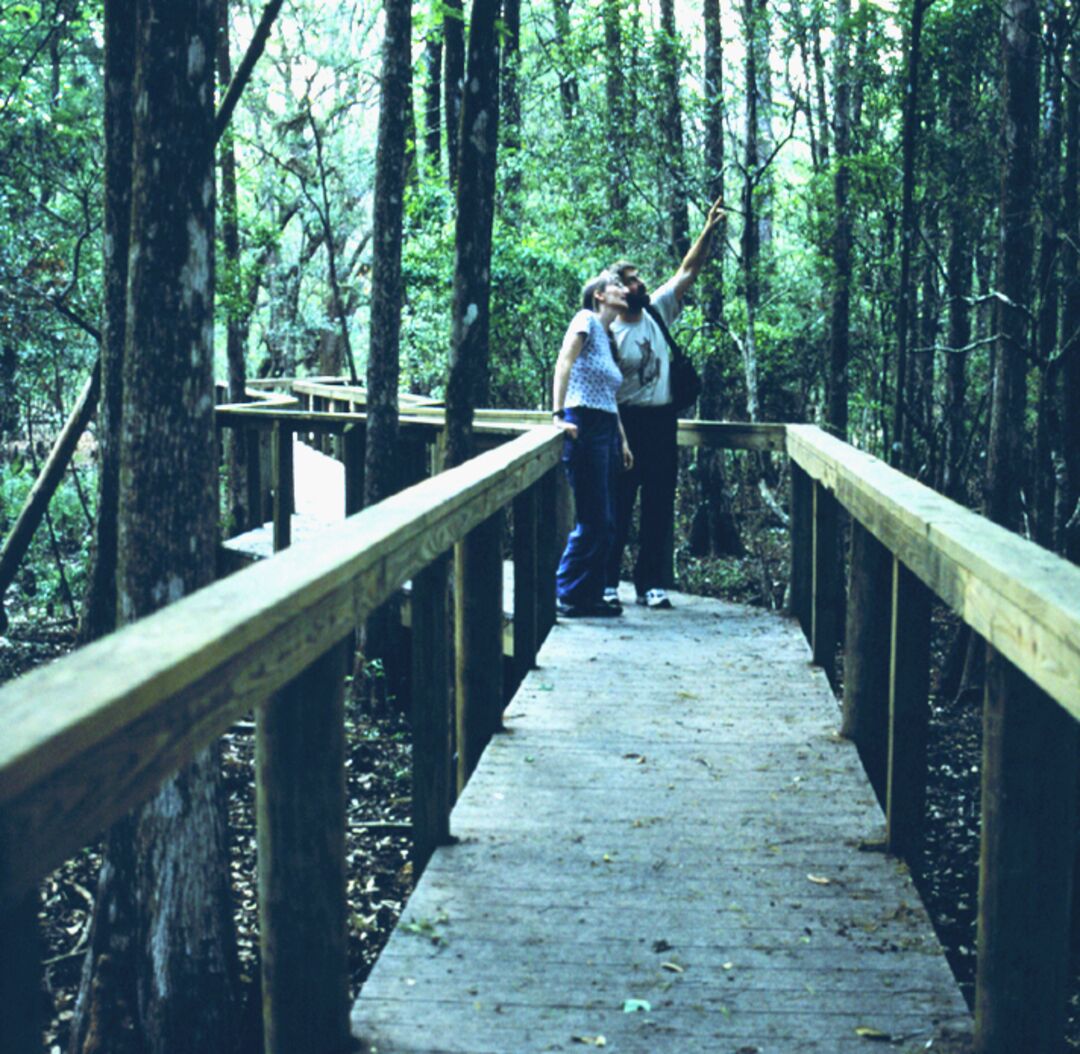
x=670 y=851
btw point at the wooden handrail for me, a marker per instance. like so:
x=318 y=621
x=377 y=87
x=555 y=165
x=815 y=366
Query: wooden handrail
x=1021 y=598
x=92 y=735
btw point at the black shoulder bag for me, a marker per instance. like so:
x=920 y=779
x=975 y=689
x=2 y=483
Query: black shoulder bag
x=685 y=381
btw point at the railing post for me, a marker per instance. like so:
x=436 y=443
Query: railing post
x=478 y=621
x=802 y=547
x=547 y=544
x=20 y=977
x=1025 y=865
x=825 y=590
x=866 y=655
x=432 y=791
x=300 y=810
x=253 y=470
x=282 y=469
x=909 y=711
x=353 y=452
x=526 y=579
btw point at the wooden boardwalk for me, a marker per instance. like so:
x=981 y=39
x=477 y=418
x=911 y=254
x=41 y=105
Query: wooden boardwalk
x=670 y=850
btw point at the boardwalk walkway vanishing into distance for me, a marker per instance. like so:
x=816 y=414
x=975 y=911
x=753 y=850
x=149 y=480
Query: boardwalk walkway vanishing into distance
x=670 y=850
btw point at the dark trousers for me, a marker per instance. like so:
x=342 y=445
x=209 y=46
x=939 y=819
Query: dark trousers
x=651 y=434
x=592 y=462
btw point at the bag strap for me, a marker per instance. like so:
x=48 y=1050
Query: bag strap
x=676 y=351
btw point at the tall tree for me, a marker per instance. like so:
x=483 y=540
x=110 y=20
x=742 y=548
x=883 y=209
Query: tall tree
x=839 y=334
x=670 y=63
x=615 y=139
x=910 y=144
x=433 y=58
x=453 y=79
x=1070 y=320
x=470 y=311
x=168 y=864
x=510 y=121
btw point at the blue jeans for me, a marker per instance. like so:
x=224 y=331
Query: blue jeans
x=592 y=462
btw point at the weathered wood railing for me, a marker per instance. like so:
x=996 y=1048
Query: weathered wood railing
x=93 y=735
x=908 y=544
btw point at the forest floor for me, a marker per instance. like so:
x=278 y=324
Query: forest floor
x=379 y=782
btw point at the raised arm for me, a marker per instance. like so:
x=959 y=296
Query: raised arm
x=698 y=253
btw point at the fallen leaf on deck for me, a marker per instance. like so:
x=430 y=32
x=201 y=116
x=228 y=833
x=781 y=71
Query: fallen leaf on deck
x=632 y=1006
x=672 y=967
x=591 y=1041
x=872 y=1033
x=820 y=880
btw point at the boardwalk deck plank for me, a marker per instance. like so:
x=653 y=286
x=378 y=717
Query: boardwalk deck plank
x=671 y=791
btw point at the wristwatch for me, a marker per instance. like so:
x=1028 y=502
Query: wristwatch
x=561 y=414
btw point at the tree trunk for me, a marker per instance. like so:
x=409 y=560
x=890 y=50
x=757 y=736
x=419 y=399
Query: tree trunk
x=1005 y=462
x=1070 y=320
x=751 y=233
x=839 y=335
x=470 y=313
x=511 y=105
x=1048 y=286
x=237 y=498
x=433 y=58
x=960 y=263
x=714 y=530
x=615 y=140
x=170 y=862
x=568 y=85
x=901 y=453
x=99 y=605
x=668 y=54
x=381 y=457
x=453 y=80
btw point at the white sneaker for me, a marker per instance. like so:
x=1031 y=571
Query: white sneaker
x=611 y=597
x=656 y=599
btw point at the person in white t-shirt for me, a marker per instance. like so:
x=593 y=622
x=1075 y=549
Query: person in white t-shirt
x=649 y=419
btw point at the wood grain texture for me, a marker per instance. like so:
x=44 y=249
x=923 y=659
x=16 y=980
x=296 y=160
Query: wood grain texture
x=1023 y=599
x=94 y=734
x=670 y=818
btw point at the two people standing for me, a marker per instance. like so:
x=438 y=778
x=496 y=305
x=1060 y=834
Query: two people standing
x=644 y=420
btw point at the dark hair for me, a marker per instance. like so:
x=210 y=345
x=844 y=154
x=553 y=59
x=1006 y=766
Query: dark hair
x=594 y=286
x=620 y=267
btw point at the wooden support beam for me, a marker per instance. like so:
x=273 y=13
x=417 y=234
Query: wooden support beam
x=547 y=545
x=866 y=655
x=825 y=590
x=432 y=785
x=300 y=812
x=478 y=642
x=909 y=711
x=264 y=497
x=802 y=547
x=253 y=470
x=20 y=977
x=1025 y=865
x=354 y=451
x=283 y=490
x=526 y=579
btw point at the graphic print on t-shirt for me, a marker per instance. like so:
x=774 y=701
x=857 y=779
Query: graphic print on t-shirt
x=648 y=364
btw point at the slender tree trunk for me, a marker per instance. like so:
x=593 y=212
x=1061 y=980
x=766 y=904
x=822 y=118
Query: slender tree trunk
x=511 y=104
x=671 y=124
x=751 y=233
x=1005 y=470
x=960 y=267
x=901 y=453
x=168 y=866
x=472 y=257
x=839 y=336
x=381 y=457
x=714 y=529
x=433 y=59
x=615 y=141
x=1048 y=285
x=568 y=85
x=453 y=79
x=1070 y=320
x=237 y=498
